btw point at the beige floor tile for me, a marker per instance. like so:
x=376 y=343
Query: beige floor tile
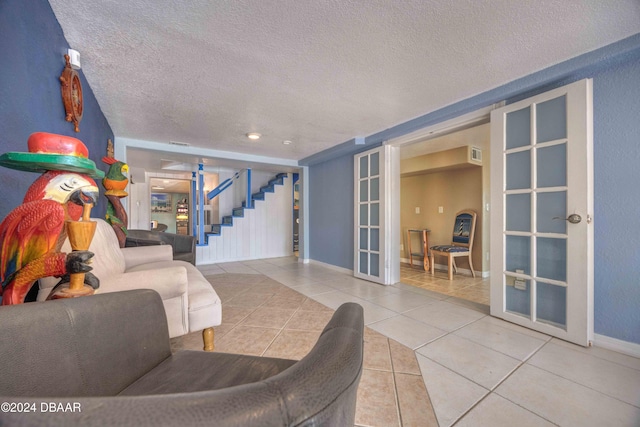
x=565 y=402
x=267 y=317
x=610 y=378
x=376 y=353
x=403 y=358
x=496 y=411
x=312 y=305
x=376 y=404
x=234 y=315
x=246 y=340
x=292 y=344
x=500 y=338
x=444 y=315
x=407 y=331
x=246 y=300
x=451 y=394
x=309 y=320
x=415 y=405
x=473 y=361
x=284 y=301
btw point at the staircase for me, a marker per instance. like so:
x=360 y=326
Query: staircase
x=239 y=212
x=264 y=229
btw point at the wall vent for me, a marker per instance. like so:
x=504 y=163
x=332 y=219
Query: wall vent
x=476 y=155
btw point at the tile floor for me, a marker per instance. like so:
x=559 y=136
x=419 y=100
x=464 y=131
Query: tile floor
x=465 y=287
x=472 y=369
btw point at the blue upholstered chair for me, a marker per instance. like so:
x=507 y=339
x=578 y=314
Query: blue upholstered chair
x=461 y=243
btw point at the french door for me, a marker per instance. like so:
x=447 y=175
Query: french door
x=376 y=205
x=542 y=203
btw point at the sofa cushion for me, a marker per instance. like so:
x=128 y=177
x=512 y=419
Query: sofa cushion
x=191 y=371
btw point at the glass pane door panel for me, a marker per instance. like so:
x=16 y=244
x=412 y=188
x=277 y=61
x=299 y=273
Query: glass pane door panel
x=519 y=170
x=552 y=205
x=364 y=238
x=364 y=190
x=375 y=214
x=364 y=214
x=375 y=189
x=551 y=304
x=375 y=164
x=375 y=239
x=551 y=258
x=518 y=254
x=552 y=166
x=518 y=300
x=518 y=215
x=551 y=119
x=518 y=128
x=375 y=262
x=364 y=262
x=364 y=166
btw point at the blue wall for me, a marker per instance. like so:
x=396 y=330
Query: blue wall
x=32 y=46
x=616 y=74
x=616 y=94
x=331 y=212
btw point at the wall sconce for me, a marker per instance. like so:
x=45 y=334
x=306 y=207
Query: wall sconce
x=74 y=58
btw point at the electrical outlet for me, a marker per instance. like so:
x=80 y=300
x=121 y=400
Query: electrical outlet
x=520 y=284
x=440 y=209
x=417 y=209
x=401 y=247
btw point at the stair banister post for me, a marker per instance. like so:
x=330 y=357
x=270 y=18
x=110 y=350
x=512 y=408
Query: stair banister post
x=201 y=203
x=194 y=220
x=249 y=201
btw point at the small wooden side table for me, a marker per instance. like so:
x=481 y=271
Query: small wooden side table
x=423 y=234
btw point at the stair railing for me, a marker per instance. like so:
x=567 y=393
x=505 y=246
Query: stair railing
x=199 y=231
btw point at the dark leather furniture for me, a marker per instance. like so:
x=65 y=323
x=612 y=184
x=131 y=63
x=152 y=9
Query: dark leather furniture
x=184 y=246
x=105 y=360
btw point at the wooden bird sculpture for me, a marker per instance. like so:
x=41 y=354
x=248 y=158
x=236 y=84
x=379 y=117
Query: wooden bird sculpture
x=32 y=235
x=115 y=181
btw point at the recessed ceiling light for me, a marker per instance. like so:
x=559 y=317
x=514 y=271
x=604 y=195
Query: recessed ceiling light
x=286 y=142
x=253 y=136
x=157 y=187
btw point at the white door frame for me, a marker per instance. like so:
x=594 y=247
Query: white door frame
x=475 y=118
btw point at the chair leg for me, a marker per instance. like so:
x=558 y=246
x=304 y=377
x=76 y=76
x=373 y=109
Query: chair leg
x=207 y=338
x=433 y=270
x=473 y=273
x=450 y=262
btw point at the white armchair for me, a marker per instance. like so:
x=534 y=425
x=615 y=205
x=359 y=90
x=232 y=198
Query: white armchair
x=190 y=302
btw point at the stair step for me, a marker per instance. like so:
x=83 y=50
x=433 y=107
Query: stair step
x=216 y=229
x=237 y=212
x=257 y=196
x=268 y=189
x=227 y=220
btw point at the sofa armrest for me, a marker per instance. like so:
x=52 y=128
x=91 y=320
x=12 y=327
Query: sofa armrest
x=169 y=282
x=145 y=254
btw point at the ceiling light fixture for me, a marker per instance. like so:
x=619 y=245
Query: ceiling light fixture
x=253 y=136
x=286 y=142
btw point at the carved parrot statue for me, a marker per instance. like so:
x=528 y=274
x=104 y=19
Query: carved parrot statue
x=115 y=181
x=32 y=235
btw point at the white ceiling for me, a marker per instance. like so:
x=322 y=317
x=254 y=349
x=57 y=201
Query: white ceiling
x=319 y=72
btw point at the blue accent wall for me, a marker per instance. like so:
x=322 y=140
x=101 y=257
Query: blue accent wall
x=331 y=212
x=32 y=46
x=615 y=70
x=616 y=94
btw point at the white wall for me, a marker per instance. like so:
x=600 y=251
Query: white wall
x=264 y=232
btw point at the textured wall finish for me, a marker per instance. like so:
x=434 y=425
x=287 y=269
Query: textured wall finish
x=32 y=47
x=318 y=73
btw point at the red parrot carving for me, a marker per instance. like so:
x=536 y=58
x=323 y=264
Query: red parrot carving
x=33 y=233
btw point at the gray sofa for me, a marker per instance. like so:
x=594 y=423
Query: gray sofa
x=105 y=360
x=183 y=246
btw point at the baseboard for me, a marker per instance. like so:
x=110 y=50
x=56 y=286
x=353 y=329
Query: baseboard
x=614 y=344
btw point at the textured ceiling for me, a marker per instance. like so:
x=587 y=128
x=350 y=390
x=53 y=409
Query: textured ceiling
x=317 y=73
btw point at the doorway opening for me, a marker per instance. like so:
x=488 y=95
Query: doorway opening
x=443 y=170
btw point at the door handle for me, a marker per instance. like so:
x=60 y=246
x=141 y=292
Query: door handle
x=573 y=218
